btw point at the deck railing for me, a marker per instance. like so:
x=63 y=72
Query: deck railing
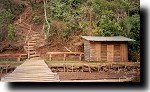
x=64 y=54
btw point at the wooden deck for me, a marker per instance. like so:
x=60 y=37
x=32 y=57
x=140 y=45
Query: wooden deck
x=33 y=70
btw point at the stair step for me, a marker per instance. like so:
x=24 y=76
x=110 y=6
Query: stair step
x=31 y=41
x=31 y=49
x=31 y=44
x=28 y=46
x=32 y=52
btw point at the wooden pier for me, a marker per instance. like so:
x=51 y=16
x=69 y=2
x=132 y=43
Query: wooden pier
x=33 y=70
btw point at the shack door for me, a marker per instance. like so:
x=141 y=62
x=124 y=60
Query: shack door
x=110 y=52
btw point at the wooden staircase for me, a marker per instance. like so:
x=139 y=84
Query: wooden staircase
x=32 y=37
x=31 y=44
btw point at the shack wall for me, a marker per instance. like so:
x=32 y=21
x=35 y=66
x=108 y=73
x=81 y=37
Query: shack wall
x=86 y=50
x=106 y=51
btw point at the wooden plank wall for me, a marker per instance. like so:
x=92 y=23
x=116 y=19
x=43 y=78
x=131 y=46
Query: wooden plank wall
x=124 y=51
x=87 y=50
x=117 y=54
x=110 y=52
x=92 y=51
x=98 y=51
x=106 y=51
x=103 y=52
x=95 y=51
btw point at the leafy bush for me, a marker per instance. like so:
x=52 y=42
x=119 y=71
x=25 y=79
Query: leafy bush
x=6 y=17
x=83 y=24
x=36 y=20
x=66 y=33
x=11 y=32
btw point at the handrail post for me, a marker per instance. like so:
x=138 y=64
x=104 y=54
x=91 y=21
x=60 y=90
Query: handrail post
x=28 y=51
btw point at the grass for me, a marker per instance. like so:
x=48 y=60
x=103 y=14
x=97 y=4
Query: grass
x=73 y=62
x=85 y=62
x=12 y=63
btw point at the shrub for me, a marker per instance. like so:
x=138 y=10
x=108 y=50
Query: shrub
x=36 y=20
x=11 y=32
x=6 y=17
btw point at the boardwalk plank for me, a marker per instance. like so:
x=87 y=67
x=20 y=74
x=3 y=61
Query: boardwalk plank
x=32 y=71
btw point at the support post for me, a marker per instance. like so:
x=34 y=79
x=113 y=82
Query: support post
x=72 y=67
x=80 y=57
x=18 y=58
x=64 y=67
x=28 y=51
x=50 y=57
x=64 y=57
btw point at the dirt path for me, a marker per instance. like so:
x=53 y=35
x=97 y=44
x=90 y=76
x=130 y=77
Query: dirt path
x=92 y=76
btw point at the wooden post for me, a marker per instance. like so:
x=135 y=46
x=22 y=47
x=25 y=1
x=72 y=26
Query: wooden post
x=82 y=67
x=18 y=58
x=28 y=51
x=80 y=57
x=1 y=69
x=50 y=57
x=98 y=68
x=89 y=68
x=72 y=67
x=64 y=67
x=64 y=57
x=7 y=68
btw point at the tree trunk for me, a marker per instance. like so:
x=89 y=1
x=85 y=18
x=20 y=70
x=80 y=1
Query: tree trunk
x=45 y=14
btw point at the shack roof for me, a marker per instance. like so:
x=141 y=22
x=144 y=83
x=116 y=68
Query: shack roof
x=101 y=38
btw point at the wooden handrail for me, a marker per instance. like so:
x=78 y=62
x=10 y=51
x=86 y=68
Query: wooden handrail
x=25 y=25
x=65 y=54
x=19 y=56
x=3 y=55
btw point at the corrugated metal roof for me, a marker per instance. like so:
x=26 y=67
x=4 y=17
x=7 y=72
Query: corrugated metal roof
x=100 y=38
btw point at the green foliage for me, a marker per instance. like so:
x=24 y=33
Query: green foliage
x=36 y=20
x=9 y=10
x=6 y=17
x=83 y=24
x=99 y=17
x=66 y=33
x=60 y=10
x=11 y=32
x=108 y=27
x=46 y=29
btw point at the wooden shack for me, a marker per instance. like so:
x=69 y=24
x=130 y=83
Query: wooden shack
x=111 y=49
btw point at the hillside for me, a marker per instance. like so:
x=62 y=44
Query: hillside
x=60 y=23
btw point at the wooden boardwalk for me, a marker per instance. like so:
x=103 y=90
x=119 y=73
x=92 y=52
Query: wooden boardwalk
x=33 y=70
